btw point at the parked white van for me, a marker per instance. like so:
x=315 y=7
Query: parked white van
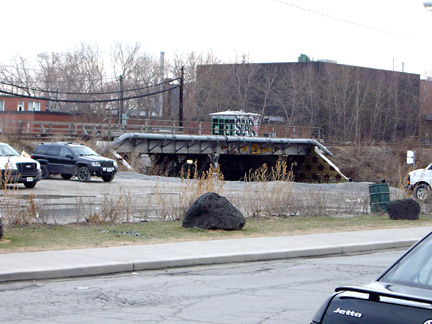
x=18 y=169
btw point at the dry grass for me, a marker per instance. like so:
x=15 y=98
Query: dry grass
x=265 y=193
x=270 y=193
x=76 y=236
x=369 y=163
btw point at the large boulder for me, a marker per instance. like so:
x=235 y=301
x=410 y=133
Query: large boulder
x=211 y=211
x=403 y=209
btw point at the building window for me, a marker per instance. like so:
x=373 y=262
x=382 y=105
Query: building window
x=20 y=106
x=34 y=105
x=2 y=105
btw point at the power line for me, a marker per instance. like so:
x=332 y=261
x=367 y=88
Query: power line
x=339 y=19
x=85 y=93
x=88 y=101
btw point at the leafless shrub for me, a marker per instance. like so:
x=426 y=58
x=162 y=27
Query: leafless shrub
x=11 y=210
x=165 y=168
x=268 y=192
x=142 y=208
x=171 y=203
x=191 y=189
x=21 y=212
x=164 y=202
x=112 y=210
x=45 y=214
x=271 y=192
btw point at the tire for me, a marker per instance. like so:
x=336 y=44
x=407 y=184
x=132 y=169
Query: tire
x=30 y=185
x=66 y=176
x=108 y=178
x=422 y=192
x=44 y=169
x=83 y=174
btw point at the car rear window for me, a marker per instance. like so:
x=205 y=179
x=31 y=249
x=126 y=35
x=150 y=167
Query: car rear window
x=55 y=150
x=414 y=269
x=64 y=151
x=41 y=149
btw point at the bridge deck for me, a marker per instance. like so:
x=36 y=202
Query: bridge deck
x=212 y=144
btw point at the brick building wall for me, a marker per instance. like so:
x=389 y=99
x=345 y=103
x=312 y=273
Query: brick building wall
x=10 y=103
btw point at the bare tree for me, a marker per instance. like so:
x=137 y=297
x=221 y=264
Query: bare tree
x=244 y=80
x=18 y=74
x=266 y=88
x=190 y=63
x=426 y=109
x=288 y=97
x=69 y=76
x=139 y=71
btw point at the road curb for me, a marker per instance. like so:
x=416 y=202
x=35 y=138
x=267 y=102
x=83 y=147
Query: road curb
x=112 y=267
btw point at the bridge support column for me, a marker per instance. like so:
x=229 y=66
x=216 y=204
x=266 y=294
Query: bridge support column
x=214 y=159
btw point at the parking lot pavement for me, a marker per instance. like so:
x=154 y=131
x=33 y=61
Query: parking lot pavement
x=85 y=262
x=130 y=181
x=137 y=183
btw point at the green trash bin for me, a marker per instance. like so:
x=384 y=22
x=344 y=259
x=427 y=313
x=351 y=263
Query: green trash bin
x=379 y=197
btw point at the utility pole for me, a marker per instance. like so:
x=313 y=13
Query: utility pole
x=120 y=106
x=181 y=97
x=357 y=117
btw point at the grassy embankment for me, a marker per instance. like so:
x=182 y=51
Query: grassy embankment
x=76 y=236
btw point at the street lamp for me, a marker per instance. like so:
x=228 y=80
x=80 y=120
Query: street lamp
x=428 y=5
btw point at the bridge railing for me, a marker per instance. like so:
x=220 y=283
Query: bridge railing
x=79 y=129
x=110 y=130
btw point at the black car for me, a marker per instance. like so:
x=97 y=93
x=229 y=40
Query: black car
x=70 y=159
x=401 y=295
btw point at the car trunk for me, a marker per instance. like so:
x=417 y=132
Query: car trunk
x=355 y=308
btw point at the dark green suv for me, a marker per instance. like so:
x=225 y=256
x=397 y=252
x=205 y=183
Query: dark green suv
x=70 y=159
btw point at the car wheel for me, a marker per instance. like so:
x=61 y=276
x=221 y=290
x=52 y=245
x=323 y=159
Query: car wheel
x=83 y=174
x=30 y=185
x=44 y=170
x=66 y=176
x=422 y=192
x=108 y=178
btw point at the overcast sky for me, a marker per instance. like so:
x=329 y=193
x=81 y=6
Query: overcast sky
x=383 y=34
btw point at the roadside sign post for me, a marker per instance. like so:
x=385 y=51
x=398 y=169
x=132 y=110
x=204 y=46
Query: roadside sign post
x=411 y=158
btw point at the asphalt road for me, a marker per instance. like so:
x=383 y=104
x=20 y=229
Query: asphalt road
x=288 y=291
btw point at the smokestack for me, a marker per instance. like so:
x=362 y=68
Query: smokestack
x=161 y=79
